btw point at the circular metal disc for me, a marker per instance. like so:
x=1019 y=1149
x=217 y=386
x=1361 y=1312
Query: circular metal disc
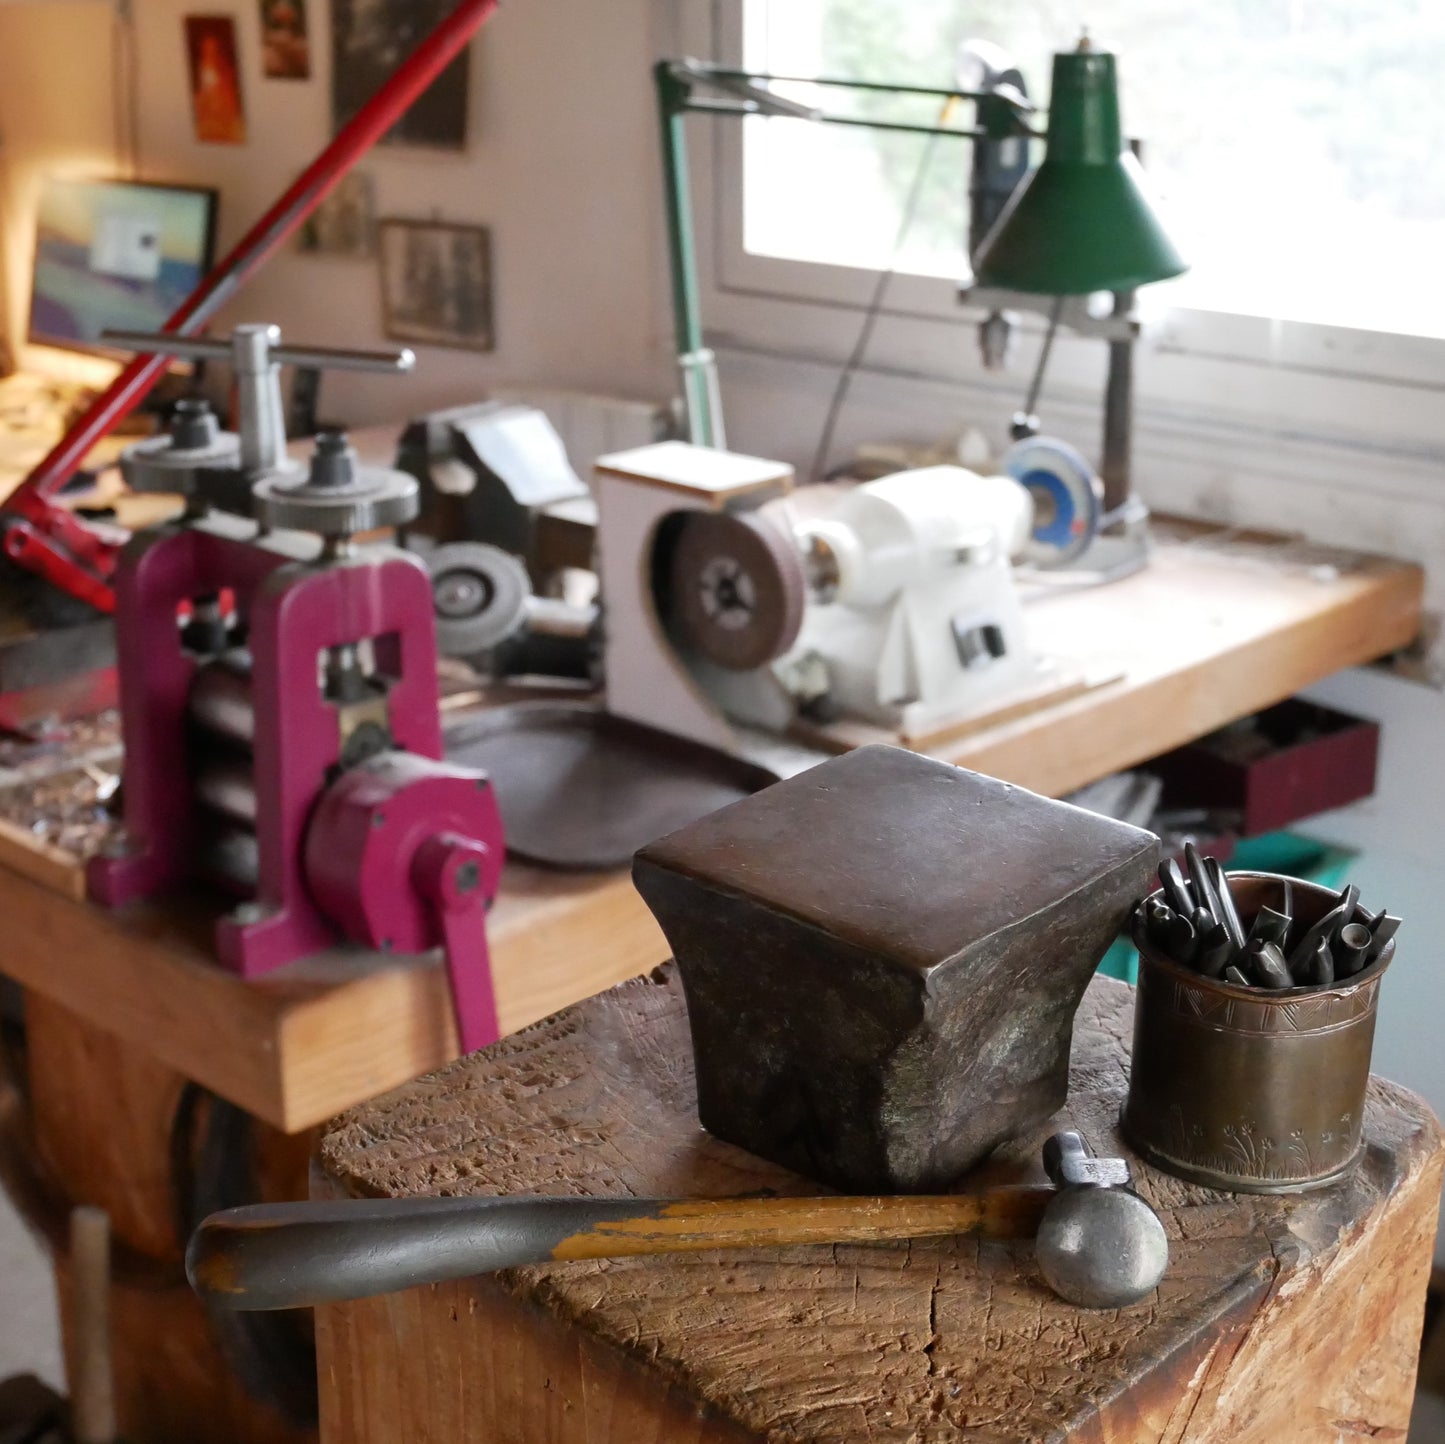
x=1067 y=495
x=738 y=588
x=480 y=593
x=158 y=465
x=582 y=789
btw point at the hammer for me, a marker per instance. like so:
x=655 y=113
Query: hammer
x=1099 y=1244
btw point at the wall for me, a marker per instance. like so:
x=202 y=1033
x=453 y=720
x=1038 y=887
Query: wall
x=562 y=165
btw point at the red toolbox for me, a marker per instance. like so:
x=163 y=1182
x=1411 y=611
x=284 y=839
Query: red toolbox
x=1288 y=762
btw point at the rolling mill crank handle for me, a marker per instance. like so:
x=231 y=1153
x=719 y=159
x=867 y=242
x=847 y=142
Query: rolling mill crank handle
x=1099 y=1245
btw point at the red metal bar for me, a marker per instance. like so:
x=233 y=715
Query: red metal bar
x=31 y=499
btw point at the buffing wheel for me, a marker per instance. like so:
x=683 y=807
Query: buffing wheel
x=481 y=596
x=738 y=588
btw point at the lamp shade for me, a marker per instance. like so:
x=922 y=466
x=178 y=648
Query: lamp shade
x=1082 y=221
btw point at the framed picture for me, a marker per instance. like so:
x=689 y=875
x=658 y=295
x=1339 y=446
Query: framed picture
x=436 y=283
x=369 y=39
x=216 y=108
x=344 y=224
x=285 y=44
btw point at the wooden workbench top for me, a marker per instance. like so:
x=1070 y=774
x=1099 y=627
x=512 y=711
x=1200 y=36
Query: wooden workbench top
x=1279 y=1318
x=1220 y=624
x=312 y=1038
x=1216 y=627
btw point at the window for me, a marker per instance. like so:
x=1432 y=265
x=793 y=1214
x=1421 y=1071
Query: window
x=1294 y=142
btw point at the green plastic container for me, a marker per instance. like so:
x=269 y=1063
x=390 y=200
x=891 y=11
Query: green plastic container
x=1279 y=852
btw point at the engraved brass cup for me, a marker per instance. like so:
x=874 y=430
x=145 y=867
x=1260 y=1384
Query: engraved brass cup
x=1245 y=1089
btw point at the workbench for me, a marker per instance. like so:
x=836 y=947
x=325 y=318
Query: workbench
x=1279 y=1318
x=123 y=1009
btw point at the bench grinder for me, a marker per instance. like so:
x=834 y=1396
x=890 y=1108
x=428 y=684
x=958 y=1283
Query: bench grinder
x=279 y=704
x=895 y=605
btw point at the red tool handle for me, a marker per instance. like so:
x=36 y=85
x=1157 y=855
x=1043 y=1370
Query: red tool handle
x=30 y=500
x=459 y=875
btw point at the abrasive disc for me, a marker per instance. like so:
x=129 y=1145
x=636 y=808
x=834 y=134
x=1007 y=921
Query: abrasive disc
x=738 y=588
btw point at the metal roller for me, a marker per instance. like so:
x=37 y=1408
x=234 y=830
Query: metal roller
x=220 y=698
x=228 y=787
x=230 y=856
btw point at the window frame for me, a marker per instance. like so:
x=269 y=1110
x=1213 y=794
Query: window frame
x=1370 y=389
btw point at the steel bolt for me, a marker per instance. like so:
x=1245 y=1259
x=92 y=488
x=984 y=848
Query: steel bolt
x=468 y=876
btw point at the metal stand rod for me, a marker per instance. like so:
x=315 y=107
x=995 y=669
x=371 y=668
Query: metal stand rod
x=1114 y=469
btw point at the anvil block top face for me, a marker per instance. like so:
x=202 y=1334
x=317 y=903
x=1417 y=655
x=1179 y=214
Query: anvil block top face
x=882 y=958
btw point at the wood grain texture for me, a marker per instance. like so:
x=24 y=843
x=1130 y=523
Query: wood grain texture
x=1280 y=1318
x=32 y=857
x=313 y=1038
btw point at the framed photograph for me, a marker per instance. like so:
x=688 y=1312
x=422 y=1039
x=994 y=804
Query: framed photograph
x=285 y=44
x=219 y=116
x=436 y=283
x=369 y=39
x=344 y=224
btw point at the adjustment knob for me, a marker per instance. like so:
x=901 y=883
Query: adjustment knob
x=339 y=496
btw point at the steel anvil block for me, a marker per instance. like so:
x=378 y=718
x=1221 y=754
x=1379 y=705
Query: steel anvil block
x=882 y=958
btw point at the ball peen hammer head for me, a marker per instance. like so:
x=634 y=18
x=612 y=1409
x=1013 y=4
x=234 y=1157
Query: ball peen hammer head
x=1100 y=1246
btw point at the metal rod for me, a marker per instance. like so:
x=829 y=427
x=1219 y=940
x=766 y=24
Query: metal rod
x=696 y=70
x=204 y=348
x=693 y=359
x=742 y=109
x=1115 y=468
x=299 y=201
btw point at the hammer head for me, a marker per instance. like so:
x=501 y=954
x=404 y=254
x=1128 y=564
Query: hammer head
x=1070 y=1164
x=1099 y=1245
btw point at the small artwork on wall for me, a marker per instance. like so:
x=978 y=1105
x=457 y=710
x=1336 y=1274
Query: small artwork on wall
x=285 y=46
x=436 y=283
x=216 y=107
x=344 y=224
x=369 y=40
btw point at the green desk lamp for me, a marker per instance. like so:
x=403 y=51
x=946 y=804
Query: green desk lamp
x=1080 y=224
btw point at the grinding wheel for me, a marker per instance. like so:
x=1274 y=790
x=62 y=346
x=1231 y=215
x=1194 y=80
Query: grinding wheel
x=480 y=593
x=738 y=588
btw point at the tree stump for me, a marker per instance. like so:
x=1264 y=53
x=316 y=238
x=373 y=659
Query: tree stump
x=1279 y=1319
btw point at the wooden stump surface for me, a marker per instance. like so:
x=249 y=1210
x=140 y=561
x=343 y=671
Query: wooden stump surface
x=1279 y=1318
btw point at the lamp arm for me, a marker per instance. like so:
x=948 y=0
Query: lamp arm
x=1001 y=110
x=702 y=72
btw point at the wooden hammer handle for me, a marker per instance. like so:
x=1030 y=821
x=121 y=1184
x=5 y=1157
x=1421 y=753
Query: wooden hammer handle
x=281 y=1256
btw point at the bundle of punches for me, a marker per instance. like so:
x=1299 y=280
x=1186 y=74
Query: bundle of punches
x=1195 y=922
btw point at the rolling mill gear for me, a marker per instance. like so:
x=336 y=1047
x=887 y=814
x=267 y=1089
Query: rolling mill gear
x=280 y=715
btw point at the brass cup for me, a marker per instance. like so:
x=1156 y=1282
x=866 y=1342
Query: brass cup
x=1245 y=1089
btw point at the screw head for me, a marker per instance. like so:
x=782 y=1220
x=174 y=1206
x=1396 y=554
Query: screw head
x=378 y=819
x=468 y=876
